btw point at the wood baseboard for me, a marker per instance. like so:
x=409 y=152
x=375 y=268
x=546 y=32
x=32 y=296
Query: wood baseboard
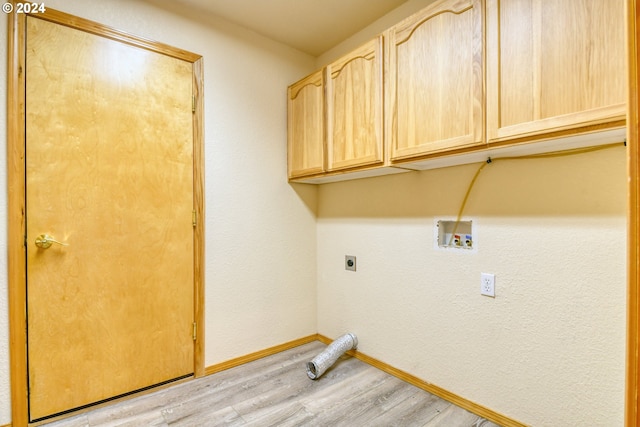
x=432 y=388
x=259 y=354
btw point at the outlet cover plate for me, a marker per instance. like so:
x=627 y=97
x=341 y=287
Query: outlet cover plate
x=488 y=284
x=350 y=262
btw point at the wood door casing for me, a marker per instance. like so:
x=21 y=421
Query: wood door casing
x=632 y=392
x=17 y=202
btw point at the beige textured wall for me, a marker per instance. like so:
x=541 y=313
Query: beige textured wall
x=549 y=349
x=260 y=231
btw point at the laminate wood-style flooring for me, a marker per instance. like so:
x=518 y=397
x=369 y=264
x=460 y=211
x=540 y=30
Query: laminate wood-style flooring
x=275 y=391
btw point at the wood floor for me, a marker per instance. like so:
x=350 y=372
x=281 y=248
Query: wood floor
x=275 y=391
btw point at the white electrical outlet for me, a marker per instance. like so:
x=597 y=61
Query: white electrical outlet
x=488 y=284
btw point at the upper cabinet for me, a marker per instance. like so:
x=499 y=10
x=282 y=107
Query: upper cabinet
x=354 y=108
x=435 y=80
x=553 y=66
x=335 y=116
x=462 y=80
x=305 y=126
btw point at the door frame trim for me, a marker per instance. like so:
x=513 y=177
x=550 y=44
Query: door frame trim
x=632 y=398
x=16 y=197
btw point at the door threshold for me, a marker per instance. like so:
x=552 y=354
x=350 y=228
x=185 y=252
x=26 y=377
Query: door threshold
x=91 y=406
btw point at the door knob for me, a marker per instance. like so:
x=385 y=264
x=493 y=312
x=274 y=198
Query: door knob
x=44 y=241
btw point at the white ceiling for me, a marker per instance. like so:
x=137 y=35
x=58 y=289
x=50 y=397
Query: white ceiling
x=312 y=26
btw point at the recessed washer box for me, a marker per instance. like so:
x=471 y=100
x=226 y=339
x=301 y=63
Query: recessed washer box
x=453 y=234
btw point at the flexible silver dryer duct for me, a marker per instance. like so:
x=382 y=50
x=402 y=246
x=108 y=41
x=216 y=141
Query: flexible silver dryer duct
x=328 y=357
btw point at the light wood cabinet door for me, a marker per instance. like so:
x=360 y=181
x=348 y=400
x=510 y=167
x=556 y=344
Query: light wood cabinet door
x=305 y=133
x=435 y=81
x=354 y=108
x=554 y=65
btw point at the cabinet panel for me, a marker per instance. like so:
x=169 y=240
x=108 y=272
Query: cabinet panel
x=553 y=66
x=436 y=80
x=305 y=133
x=354 y=108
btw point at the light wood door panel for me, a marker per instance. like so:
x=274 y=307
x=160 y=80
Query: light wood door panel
x=553 y=66
x=109 y=170
x=354 y=108
x=305 y=133
x=436 y=80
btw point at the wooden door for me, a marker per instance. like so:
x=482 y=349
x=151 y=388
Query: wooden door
x=109 y=174
x=305 y=122
x=435 y=84
x=554 y=66
x=354 y=108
